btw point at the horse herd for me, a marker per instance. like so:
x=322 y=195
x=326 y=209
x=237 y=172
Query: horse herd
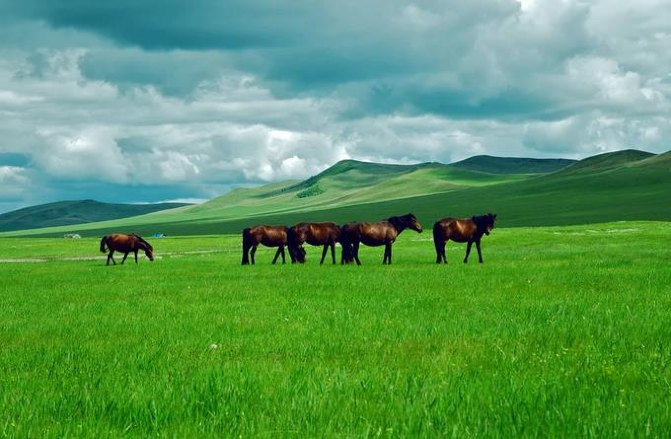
x=350 y=236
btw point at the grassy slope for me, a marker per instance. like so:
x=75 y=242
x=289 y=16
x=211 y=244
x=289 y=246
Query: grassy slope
x=512 y=165
x=74 y=212
x=607 y=161
x=563 y=332
x=353 y=185
x=611 y=188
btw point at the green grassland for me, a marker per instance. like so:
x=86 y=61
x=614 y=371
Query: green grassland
x=563 y=331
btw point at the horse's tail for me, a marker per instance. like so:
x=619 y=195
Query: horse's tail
x=246 y=244
x=103 y=244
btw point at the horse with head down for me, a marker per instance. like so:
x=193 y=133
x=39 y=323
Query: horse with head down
x=468 y=230
x=270 y=236
x=125 y=244
x=326 y=234
x=376 y=234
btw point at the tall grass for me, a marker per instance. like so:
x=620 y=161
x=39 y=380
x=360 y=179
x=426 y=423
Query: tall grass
x=561 y=332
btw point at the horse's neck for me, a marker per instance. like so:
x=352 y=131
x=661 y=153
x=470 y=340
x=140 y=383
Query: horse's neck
x=398 y=226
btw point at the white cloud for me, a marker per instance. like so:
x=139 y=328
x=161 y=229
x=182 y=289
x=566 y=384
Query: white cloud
x=396 y=82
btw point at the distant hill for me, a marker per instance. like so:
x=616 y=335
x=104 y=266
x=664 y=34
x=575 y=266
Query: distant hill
x=512 y=165
x=607 y=160
x=64 y=213
x=624 y=185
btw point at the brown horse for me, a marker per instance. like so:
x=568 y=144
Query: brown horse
x=375 y=234
x=468 y=230
x=326 y=234
x=125 y=244
x=270 y=236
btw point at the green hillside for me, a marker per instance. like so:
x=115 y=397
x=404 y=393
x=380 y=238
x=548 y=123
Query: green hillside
x=512 y=165
x=607 y=161
x=65 y=213
x=613 y=187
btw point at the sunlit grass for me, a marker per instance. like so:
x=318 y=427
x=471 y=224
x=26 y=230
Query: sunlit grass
x=561 y=332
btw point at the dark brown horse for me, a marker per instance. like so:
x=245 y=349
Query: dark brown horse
x=326 y=234
x=468 y=230
x=270 y=236
x=125 y=244
x=375 y=234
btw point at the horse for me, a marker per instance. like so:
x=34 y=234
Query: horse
x=126 y=244
x=326 y=234
x=468 y=230
x=376 y=234
x=270 y=236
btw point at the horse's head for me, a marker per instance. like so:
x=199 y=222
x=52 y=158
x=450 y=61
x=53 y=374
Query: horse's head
x=411 y=222
x=296 y=253
x=149 y=252
x=485 y=223
x=299 y=254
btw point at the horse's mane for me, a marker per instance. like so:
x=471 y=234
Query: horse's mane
x=141 y=239
x=402 y=220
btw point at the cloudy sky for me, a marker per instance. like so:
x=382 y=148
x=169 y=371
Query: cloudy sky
x=156 y=100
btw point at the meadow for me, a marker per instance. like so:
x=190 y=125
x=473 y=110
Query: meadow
x=563 y=331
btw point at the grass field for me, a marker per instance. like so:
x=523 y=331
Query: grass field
x=563 y=331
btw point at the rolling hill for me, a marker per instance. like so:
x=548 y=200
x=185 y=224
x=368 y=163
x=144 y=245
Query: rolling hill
x=65 y=213
x=512 y=165
x=607 y=161
x=624 y=185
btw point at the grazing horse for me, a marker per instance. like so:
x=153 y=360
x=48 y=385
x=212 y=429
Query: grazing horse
x=125 y=244
x=468 y=230
x=270 y=236
x=375 y=234
x=326 y=234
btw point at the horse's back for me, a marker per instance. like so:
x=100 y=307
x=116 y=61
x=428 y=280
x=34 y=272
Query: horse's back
x=119 y=241
x=456 y=229
x=321 y=233
x=270 y=236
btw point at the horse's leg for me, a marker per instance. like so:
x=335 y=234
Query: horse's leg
x=124 y=258
x=326 y=248
x=136 y=256
x=477 y=244
x=355 y=252
x=277 y=255
x=389 y=258
x=253 y=252
x=440 y=250
x=443 y=251
x=111 y=256
x=333 y=252
x=468 y=251
x=245 y=254
x=284 y=261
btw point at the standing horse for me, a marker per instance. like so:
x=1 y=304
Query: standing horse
x=375 y=234
x=326 y=234
x=125 y=244
x=270 y=236
x=468 y=230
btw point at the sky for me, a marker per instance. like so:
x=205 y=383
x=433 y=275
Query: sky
x=146 y=101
